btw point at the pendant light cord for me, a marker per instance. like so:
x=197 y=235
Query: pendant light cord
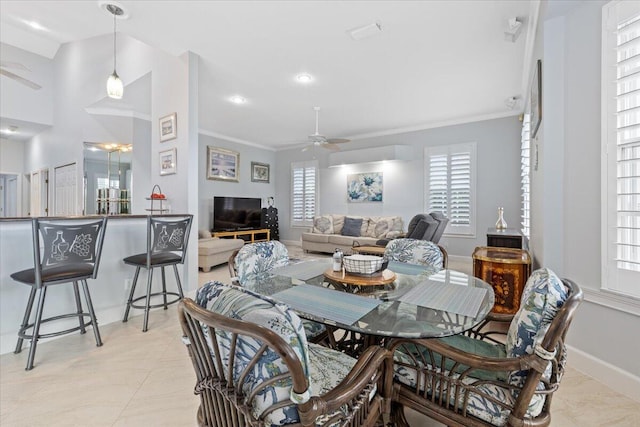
x=114 y=42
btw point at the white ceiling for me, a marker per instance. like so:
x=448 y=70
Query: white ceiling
x=435 y=62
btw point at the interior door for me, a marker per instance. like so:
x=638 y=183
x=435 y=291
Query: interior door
x=34 y=194
x=65 y=181
x=11 y=196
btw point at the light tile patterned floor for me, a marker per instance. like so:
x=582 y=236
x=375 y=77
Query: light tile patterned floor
x=146 y=379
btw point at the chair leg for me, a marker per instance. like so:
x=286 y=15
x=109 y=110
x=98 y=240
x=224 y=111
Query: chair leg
x=164 y=287
x=148 y=303
x=36 y=328
x=133 y=289
x=175 y=270
x=92 y=313
x=25 y=320
x=76 y=293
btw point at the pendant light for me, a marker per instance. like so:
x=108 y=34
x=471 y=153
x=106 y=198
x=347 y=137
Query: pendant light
x=115 y=87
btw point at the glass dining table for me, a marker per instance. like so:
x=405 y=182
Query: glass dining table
x=422 y=302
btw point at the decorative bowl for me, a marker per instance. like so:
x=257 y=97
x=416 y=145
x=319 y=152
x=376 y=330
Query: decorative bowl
x=362 y=264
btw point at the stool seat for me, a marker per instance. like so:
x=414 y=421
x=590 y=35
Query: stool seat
x=157 y=259
x=54 y=275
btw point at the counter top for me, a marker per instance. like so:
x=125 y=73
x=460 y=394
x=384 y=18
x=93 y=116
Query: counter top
x=52 y=218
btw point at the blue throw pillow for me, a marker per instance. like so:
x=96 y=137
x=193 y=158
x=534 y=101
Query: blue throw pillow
x=352 y=227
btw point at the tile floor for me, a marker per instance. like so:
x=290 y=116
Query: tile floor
x=146 y=379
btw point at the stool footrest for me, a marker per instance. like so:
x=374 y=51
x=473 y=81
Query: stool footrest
x=22 y=331
x=155 y=294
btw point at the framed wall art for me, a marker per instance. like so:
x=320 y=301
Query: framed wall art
x=535 y=99
x=364 y=187
x=168 y=127
x=168 y=161
x=259 y=172
x=222 y=164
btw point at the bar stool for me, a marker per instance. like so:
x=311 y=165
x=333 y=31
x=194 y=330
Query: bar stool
x=64 y=251
x=167 y=239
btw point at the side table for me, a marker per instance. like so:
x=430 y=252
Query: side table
x=507 y=270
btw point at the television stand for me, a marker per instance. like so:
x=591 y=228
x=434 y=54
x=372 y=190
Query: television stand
x=264 y=234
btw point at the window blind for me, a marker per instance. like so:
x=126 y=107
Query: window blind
x=303 y=193
x=525 y=165
x=449 y=173
x=628 y=145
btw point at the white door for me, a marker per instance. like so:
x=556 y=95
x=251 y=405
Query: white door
x=65 y=190
x=34 y=199
x=11 y=196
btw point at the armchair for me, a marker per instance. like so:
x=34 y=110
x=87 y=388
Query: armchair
x=254 y=366
x=429 y=227
x=474 y=380
x=420 y=252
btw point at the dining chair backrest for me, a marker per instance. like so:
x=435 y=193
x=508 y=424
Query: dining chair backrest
x=168 y=234
x=414 y=251
x=76 y=244
x=256 y=258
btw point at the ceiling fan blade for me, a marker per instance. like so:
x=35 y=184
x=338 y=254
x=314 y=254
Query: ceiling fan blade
x=337 y=140
x=16 y=65
x=19 y=79
x=331 y=147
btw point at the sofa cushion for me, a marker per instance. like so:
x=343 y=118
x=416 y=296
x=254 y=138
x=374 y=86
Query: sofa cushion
x=338 y=223
x=352 y=227
x=398 y=224
x=350 y=241
x=379 y=226
x=323 y=224
x=203 y=234
x=314 y=237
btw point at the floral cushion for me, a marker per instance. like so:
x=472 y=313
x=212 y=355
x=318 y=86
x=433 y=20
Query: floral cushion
x=412 y=251
x=325 y=368
x=323 y=224
x=257 y=258
x=542 y=297
x=379 y=226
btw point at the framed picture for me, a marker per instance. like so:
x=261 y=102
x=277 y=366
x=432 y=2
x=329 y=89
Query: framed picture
x=259 y=172
x=222 y=164
x=168 y=161
x=535 y=99
x=364 y=187
x=168 y=127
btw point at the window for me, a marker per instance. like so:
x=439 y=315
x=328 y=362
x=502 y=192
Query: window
x=621 y=145
x=304 y=191
x=450 y=185
x=525 y=165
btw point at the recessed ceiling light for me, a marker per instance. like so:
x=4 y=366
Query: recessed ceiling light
x=304 y=78
x=237 y=99
x=10 y=130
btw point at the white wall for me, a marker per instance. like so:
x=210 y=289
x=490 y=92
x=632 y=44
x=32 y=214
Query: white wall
x=571 y=61
x=245 y=187
x=498 y=178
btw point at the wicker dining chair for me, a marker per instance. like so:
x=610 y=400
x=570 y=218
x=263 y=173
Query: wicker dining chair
x=254 y=366
x=478 y=379
x=255 y=260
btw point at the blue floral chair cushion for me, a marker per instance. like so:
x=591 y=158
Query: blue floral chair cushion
x=324 y=367
x=412 y=251
x=257 y=258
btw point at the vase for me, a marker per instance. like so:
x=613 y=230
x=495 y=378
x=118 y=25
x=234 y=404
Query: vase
x=501 y=224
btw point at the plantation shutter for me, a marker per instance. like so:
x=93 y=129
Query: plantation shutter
x=303 y=193
x=450 y=186
x=525 y=189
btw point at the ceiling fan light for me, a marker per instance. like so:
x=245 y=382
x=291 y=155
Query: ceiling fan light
x=115 y=87
x=237 y=99
x=304 y=78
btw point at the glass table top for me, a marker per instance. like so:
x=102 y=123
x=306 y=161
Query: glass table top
x=422 y=302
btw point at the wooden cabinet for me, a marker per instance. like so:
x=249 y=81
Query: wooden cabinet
x=507 y=270
x=264 y=234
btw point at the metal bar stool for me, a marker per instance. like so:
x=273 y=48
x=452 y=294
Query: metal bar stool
x=167 y=239
x=64 y=251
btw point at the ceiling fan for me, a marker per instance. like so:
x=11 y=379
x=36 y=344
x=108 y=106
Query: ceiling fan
x=318 y=140
x=19 y=79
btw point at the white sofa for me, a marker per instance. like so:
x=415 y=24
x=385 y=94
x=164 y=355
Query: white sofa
x=327 y=232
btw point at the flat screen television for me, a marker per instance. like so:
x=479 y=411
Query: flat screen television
x=236 y=213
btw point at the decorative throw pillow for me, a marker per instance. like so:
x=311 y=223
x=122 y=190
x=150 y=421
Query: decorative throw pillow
x=323 y=224
x=352 y=227
x=203 y=234
x=397 y=224
x=419 y=230
x=338 y=223
x=379 y=226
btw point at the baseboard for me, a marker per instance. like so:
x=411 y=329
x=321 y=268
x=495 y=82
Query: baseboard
x=613 y=377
